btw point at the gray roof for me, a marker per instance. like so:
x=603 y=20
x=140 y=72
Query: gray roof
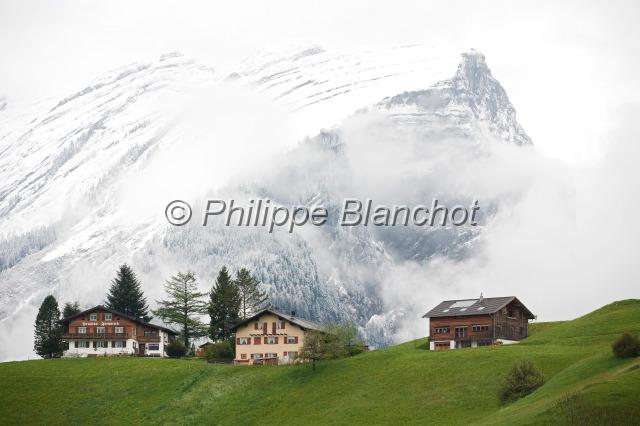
x=304 y=323
x=466 y=307
x=113 y=311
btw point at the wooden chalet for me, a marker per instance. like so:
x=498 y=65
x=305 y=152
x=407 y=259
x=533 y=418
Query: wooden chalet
x=477 y=322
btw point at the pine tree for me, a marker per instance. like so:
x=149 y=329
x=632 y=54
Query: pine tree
x=252 y=299
x=70 y=309
x=183 y=306
x=126 y=296
x=224 y=307
x=48 y=331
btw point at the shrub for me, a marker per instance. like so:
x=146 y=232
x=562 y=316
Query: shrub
x=220 y=350
x=626 y=346
x=176 y=349
x=523 y=378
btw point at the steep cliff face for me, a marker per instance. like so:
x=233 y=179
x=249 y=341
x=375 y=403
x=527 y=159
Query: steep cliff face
x=395 y=121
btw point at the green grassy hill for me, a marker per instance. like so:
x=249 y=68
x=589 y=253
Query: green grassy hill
x=402 y=384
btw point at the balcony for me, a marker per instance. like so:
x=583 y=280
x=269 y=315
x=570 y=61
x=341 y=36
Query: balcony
x=148 y=339
x=96 y=336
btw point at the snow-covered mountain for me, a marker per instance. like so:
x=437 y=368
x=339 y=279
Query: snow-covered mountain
x=84 y=180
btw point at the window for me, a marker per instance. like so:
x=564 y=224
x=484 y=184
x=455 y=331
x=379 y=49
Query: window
x=119 y=344
x=99 y=330
x=256 y=356
x=291 y=355
x=292 y=339
x=271 y=340
x=82 y=344
x=244 y=340
x=461 y=331
x=442 y=330
x=480 y=328
x=101 y=344
x=441 y=346
x=119 y=330
x=82 y=330
x=150 y=333
x=243 y=356
x=93 y=317
x=108 y=317
x=153 y=347
x=271 y=355
x=280 y=325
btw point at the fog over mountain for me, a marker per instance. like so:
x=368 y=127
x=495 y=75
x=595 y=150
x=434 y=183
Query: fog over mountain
x=84 y=181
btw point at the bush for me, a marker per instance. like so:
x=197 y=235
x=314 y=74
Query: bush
x=220 y=350
x=523 y=378
x=176 y=349
x=342 y=339
x=626 y=346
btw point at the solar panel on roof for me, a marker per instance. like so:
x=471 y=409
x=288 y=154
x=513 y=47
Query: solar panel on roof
x=463 y=304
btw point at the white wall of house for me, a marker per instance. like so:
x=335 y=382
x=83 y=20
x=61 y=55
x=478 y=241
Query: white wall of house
x=108 y=350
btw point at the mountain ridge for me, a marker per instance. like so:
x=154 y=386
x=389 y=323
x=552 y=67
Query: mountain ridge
x=69 y=167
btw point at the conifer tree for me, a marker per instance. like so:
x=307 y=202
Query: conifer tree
x=70 y=309
x=252 y=298
x=224 y=307
x=48 y=331
x=183 y=306
x=125 y=294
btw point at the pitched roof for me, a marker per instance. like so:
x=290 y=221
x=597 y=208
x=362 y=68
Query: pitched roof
x=304 y=323
x=466 y=307
x=120 y=314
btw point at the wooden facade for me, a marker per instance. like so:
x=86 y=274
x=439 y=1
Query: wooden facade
x=465 y=326
x=101 y=331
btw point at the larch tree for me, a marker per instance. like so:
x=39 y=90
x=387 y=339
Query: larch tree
x=48 y=330
x=184 y=306
x=125 y=295
x=224 y=307
x=252 y=298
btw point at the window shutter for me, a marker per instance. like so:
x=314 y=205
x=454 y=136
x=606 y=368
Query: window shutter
x=264 y=328
x=76 y=342
x=255 y=325
x=282 y=326
x=276 y=340
x=273 y=328
x=265 y=340
x=237 y=340
x=296 y=339
x=256 y=341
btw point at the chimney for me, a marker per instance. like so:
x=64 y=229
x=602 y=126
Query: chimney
x=481 y=298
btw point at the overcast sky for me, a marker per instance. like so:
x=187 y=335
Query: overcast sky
x=568 y=69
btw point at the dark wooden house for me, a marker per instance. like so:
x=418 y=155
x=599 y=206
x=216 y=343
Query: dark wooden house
x=477 y=322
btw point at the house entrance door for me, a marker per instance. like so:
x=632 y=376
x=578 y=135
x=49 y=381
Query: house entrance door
x=141 y=349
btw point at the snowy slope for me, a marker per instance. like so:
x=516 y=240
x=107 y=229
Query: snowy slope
x=82 y=188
